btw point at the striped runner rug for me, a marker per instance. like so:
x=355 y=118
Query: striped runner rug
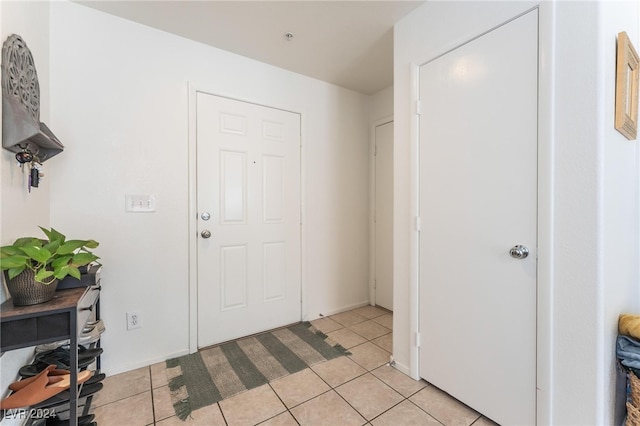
x=219 y=372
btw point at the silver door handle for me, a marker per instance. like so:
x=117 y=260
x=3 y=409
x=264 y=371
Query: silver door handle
x=519 y=252
x=205 y=234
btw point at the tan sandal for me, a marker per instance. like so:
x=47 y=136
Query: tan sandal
x=16 y=386
x=41 y=388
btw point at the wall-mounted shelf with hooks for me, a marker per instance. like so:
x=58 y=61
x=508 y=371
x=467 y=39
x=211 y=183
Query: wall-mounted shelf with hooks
x=22 y=130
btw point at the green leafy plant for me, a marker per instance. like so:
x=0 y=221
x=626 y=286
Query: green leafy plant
x=50 y=259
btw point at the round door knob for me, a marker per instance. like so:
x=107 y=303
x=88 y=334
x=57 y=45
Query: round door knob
x=205 y=234
x=519 y=252
x=205 y=216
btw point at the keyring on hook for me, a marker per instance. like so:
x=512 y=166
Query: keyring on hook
x=24 y=156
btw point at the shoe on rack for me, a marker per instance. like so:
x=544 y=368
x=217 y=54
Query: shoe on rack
x=94 y=324
x=84 y=351
x=92 y=336
x=64 y=351
x=41 y=388
x=46 y=347
x=85 y=338
x=63 y=397
x=96 y=378
x=85 y=356
x=38 y=366
x=16 y=386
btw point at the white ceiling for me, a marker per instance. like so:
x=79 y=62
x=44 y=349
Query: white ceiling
x=347 y=43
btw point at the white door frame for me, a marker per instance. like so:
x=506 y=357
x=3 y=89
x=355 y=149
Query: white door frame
x=545 y=209
x=193 y=90
x=372 y=204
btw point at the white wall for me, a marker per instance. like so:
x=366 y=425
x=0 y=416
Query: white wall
x=381 y=105
x=576 y=312
x=588 y=240
x=20 y=211
x=119 y=102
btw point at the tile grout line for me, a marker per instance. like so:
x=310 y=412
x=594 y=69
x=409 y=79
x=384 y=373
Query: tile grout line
x=331 y=388
x=370 y=372
x=287 y=409
x=366 y=371
x=222 y=413
x=405 y=398
x=153 y=404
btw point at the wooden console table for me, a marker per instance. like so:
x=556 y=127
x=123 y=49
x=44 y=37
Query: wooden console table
x=61 y=318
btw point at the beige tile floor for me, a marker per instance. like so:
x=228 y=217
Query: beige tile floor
x=354 y=390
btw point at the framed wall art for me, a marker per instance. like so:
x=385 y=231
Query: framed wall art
x=627 y=72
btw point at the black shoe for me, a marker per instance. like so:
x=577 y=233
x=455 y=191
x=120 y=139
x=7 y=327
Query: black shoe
x=63 y=397
x=65 y=356
x=96 y=378
x=37 y=366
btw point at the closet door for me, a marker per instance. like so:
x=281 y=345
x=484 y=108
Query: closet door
x=384 y=216
x=478 y=205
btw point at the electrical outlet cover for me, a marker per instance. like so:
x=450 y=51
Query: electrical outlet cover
x=133 y=320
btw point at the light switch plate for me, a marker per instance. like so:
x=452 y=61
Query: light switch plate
x=136 y=203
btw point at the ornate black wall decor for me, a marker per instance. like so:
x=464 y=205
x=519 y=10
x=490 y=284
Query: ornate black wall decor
x=22 y=130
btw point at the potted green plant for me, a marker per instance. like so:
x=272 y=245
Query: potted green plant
x=33 y=266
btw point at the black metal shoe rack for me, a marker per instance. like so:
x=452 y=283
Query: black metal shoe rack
x=61 y=318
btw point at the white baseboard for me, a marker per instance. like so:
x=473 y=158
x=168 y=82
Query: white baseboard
x=139 y=364
x=401 y=367
x=311 y=316
x=123 y=368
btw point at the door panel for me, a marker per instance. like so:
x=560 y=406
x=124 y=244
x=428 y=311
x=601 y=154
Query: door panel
x=384 y=215
x=478 y=198
x=273 y=183
x=273 y=265
x=234 y=277
x=248 y=172
x=234 y=186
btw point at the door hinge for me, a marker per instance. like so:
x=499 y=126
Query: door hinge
x=418 y=223
x=418 y=107
x=417 y=339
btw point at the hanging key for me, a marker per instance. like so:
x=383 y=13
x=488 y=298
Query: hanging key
x=35 y=177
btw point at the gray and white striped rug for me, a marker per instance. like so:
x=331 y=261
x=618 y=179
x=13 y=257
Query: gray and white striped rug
x=216 y=373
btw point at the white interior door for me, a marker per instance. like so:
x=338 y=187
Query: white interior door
x=478 y=199
x=248 y=190
x=384 y=215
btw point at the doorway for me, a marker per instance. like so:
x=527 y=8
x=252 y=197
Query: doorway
x=478 y=215
x=248 y=218
x=383 y=215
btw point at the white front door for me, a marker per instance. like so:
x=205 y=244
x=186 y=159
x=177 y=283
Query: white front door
x=384 y=215
x=478 y=199
x=248 y=190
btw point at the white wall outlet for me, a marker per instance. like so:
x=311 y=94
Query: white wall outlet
x=134 y=320
x=137 y=203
